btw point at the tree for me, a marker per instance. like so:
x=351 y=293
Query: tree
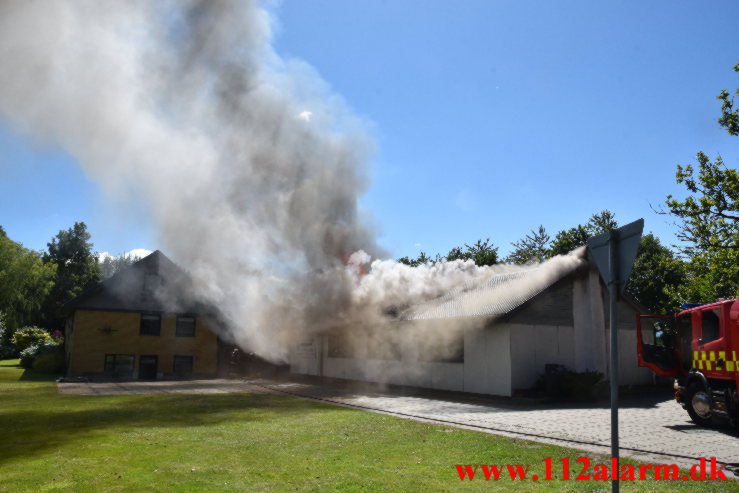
x=710 y=217
x=25 y=282
x=656 y=276
x=709 y=227
x=481 y=252
x=534 y=247
x=7 y=349
x=111 y=265
x=710 y=275
x=420 y=260
x=729 y=117
x=76 y=269
x=567 y=240
x=601 y=222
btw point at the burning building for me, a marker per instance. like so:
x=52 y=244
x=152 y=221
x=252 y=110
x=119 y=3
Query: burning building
x=493 y=338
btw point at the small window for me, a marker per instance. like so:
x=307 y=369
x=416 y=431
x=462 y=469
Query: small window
x=185 y=327
x=710 y=326
x=150 y=325
x=182 y=365
x=119 y=365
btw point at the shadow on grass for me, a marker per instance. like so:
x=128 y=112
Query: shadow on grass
x=33 y=424
x=32 y=376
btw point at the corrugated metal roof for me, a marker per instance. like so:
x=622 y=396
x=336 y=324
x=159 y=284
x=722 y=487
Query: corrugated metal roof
x=498 y=295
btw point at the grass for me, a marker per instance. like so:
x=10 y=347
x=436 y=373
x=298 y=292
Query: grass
x=242 y=442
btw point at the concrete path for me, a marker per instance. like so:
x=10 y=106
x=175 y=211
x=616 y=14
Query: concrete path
x=653 y=428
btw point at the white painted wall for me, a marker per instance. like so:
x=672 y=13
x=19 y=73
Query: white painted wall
x=592 y=337
x=487 y=361
x=629 y=372
x=497 y=359
x=305 y=356
x=589 y=329
x=486 y=368
x=534 y=346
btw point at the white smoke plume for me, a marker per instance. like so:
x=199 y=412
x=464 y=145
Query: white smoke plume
x=248 y=165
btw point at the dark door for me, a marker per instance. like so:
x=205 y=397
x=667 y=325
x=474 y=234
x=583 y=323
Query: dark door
x=148 y=367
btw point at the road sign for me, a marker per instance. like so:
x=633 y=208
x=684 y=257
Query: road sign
x=627 y=243
x=614 y=253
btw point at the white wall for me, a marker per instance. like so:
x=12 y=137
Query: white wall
x=589 y=329
x=629 y=372
x=534 y=346
x=592 y=337
x=486 y=368
x=305 y=356
x=499 y=358
x=487 y=361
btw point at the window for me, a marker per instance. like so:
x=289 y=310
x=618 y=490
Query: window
x=119 y=365
x=150 y=324
x=710 y=326
x=182 y=365
x=185 y=326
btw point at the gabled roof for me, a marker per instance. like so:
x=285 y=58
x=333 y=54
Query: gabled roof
x=154 y=283
x=498 y=295
x=507 y=292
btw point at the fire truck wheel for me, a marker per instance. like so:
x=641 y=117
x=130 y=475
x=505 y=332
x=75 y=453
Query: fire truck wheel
x=698 y=405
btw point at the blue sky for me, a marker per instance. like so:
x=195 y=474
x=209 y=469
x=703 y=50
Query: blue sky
x=490 y=117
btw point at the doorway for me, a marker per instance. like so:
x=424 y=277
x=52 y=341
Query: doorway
x=148 y=367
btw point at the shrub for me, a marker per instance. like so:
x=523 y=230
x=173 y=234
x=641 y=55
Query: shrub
x=50 y=361
x=30 y=336
x=47 y=357
x=560 y=383
x=27 y=357
x=581 y=386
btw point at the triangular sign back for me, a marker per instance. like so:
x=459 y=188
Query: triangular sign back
x=627 y=243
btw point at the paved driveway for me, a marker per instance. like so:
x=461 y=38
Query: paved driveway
x=653 y=428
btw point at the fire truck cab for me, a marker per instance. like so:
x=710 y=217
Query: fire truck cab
x=699 y=347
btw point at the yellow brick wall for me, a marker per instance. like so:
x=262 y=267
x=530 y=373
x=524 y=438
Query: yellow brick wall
x=91 y=341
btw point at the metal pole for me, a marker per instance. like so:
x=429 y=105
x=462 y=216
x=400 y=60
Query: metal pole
x=613 y=289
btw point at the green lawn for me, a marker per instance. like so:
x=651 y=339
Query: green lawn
x=241 y=442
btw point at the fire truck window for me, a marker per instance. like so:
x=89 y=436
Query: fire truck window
x=657 y=331
x=709 y=325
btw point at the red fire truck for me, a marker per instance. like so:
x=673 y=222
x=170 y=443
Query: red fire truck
x=699 y=347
